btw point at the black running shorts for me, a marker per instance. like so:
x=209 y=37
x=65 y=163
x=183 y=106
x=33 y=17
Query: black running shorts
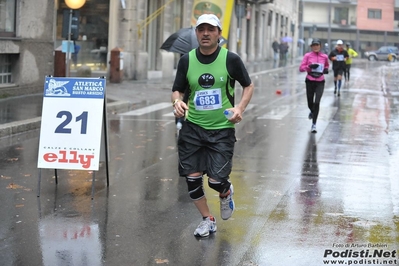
x=206 y=151
x=338 y=72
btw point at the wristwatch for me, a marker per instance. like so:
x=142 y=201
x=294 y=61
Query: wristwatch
x=175 y=101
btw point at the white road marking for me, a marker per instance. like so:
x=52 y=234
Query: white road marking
x=148 y=109
x=278 y=113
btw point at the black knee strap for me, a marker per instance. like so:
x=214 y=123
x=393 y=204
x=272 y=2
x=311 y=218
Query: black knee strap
x=221 y=187
x=195 y=188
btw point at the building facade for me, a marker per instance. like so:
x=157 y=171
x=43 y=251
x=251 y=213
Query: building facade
x=138 y=28
x=150 y=23
x=366 y=24
x=26 y=45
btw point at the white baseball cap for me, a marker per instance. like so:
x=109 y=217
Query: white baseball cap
x=209 y=19
x=340 y=42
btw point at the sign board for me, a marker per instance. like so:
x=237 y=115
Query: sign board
x=72 y=121
x=65 y=47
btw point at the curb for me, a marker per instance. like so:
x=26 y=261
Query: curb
x=13 y=128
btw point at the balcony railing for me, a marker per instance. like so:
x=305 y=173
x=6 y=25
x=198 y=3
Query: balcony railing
x=344 y=22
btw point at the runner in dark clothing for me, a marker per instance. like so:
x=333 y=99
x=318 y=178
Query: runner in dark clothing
x=338 y=56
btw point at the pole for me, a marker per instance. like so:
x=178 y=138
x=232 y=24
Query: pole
x=240 y=14
x=68 y=55
x=329 y=26
x=301 y=36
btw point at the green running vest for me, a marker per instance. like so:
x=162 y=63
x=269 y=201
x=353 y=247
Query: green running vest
x=209 y=85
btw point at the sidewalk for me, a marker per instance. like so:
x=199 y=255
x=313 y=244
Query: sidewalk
x=23 y=113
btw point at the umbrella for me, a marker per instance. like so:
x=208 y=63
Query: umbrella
x=222 y=41
x=286 y=39
x=301 y=41
x=183 y=41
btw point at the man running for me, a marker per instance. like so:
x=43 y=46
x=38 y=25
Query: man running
x=338 y=56
x=206 y=140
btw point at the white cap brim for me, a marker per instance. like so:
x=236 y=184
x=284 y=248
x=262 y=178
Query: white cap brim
x=210 y=19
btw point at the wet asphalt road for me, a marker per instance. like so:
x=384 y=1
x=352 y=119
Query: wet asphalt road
x=302 y=199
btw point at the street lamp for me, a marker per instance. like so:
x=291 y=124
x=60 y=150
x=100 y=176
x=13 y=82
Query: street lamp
x=72 y=4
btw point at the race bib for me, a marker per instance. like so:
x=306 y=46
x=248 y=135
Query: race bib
x=319 y=69
x=208 y=99
x=340 y=57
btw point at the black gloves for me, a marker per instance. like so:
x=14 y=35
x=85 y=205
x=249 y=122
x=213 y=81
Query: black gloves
x=313 y=66
x=325 y=71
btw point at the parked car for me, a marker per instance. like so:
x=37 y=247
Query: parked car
x=390 y=53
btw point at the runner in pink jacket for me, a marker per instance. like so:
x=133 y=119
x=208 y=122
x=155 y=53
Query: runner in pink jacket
x=316 y=64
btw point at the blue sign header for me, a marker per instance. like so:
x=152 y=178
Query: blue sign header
x=74 y=87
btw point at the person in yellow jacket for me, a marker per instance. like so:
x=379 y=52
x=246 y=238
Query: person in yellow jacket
x=352 y=53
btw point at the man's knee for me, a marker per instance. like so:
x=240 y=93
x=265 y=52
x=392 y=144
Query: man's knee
x=221 y=187
x=195 y=187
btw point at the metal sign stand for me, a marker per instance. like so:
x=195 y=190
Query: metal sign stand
x=105 y=147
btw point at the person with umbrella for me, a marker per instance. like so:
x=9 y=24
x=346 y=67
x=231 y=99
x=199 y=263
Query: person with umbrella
x=275 y=47
x=206 y=140
x=283 y=48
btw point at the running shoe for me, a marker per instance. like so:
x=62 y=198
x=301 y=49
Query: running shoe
x=206 y=227
x=310 y=116
x=227 y=205
x=313 y=130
